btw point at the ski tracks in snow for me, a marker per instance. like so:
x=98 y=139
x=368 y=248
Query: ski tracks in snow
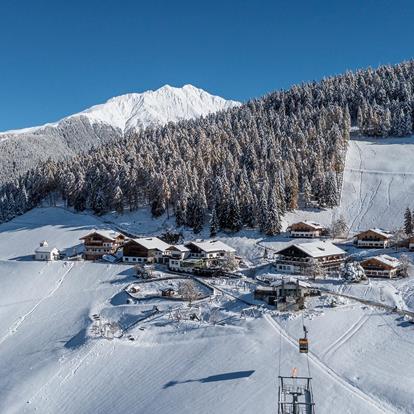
x=357 y=392
x=346 y=336
x=15 y=327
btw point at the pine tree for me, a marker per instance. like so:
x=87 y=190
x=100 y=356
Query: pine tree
x=263 y=212
x=195 y=214
x=408 y=221
x=273 y=225
x=118 y=200
x=307 y=192
x=330 y=193
x=214 y=223
x=234 y=221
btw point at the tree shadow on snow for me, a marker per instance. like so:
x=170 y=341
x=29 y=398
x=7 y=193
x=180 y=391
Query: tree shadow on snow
x=76 y=341
x=214 y=378
x=121 y=298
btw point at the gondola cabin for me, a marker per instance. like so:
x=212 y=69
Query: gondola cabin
x=303 y=345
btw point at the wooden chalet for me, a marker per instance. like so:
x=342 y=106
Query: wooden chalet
x=374 y=238
x=101 y=242
x=284 y=294
x=177 y=254
x=307 y=229
x=381 y=266
x=209 y=249
x=145 y=250
x=298 y=257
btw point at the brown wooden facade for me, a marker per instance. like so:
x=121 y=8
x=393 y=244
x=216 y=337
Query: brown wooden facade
x=135 y=252
x=376 y=268
x=98 y=245
x=294 y=260
x=304 y=229
x=373 y=239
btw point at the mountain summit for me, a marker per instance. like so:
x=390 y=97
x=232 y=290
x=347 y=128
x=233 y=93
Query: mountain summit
x=167 y=104
x=23 y=148
x=139 y=110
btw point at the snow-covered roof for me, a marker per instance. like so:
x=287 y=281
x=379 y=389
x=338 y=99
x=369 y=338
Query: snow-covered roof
x=313 y=224
x=179 y=247
x=152 y=243
x=212 y=246
x=108 y=234
x=290 y=280
x=387 y=260
x=385 y=233
x=46 y=249
x=318 y=248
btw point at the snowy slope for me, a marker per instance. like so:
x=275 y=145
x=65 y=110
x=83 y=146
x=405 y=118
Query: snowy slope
x=167 y=104
x=378 y=185
x=361 y=359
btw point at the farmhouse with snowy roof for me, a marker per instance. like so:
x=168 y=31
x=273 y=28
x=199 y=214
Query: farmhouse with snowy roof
x=196 y=255
x=284 y=294
x=145 y=250
x=378 y=238
x=101 y=242
x=309 y=229
x=382 y=266
x=46 y=252
x=298 y=257
x=209 y=249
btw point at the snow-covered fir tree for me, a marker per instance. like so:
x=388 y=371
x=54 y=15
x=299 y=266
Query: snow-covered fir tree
x=408 y=221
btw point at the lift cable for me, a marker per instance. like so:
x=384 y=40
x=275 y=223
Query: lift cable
x=305 y=330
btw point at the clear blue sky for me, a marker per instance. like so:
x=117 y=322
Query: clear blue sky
x=58 y=57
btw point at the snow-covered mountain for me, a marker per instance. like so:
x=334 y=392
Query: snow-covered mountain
x=21 y=149
x=140 y=110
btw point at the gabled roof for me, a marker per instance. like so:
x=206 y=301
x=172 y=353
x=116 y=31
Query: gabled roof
x=386 y=260
x=152 y=243
x=380 y=232
x=45 y=249
x=313 y=224
x=179 y=247
x=212 y=246
x=290 y=280
x=107 y=234
x=317 y=248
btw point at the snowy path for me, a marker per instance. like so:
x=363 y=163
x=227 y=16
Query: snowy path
x=14 y=328
x=345 y=337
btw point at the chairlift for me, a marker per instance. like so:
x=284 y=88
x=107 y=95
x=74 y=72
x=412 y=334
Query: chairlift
x=303 y=342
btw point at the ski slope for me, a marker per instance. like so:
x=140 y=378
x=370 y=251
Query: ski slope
x=378 y=185
x=361 y=359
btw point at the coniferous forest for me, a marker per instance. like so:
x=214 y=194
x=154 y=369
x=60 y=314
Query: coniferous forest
x=246 y=166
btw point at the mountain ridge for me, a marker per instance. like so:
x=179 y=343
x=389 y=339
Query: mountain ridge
x=138 y=110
